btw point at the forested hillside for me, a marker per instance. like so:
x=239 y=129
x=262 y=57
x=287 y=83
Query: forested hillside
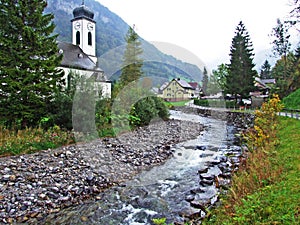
x=110 y=34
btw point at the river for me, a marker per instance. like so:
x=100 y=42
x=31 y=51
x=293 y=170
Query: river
x=177 y=190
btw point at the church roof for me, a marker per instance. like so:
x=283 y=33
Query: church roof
x=74 y=57
x=83 y=12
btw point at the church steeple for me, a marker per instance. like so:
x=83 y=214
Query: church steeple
x=83 y=30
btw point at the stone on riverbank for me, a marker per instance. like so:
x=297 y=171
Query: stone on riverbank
x=35 y=185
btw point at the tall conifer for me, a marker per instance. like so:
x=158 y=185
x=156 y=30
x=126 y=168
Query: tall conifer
x=241 y=73
x=28 y=61
x=265 y=72
x=205 y=81
x=132 y=63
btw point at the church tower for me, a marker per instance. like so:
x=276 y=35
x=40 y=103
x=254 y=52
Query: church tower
x=84 y=30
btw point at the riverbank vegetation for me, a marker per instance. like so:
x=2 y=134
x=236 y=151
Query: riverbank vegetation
x=77 y=113
x=266 y=188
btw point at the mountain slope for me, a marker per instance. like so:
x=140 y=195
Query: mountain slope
x=110 y=34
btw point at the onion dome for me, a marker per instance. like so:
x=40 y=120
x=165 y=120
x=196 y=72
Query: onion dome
x=83 y=12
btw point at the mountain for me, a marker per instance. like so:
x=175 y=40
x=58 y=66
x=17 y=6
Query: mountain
x=111 y=31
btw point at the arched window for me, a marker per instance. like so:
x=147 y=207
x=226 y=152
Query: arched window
x=89 y=38
x=77 y=38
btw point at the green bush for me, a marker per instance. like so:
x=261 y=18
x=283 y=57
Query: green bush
x=201 y=102
x=147 y=109
x=218 y=103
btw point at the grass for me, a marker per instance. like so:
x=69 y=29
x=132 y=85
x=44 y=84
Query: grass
x=277 y=201
x=293 y=100
x=176 y=104
x=30 y=140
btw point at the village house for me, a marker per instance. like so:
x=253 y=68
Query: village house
x=79 y=57
x=263 y=87
x=177 y=90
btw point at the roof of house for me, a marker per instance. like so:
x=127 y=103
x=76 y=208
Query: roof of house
x=163 y=86
x=183 y=83
x=194 y=85
x=74 y=57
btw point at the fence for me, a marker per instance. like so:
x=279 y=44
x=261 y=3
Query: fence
x=293 y=113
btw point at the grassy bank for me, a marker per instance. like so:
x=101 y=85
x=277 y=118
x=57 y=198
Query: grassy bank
x=293 y=100
x=176 y=104
x=277 y=200
x=30 y=140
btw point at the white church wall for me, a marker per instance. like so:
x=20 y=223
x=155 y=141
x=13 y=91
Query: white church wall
x=103 y=86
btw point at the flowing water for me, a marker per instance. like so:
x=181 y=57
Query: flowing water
x=174 y=190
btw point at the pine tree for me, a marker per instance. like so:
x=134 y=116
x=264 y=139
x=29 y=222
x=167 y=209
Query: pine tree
x=281 y=43
x=28 y=61
x=241 y=73
x=132 y=63
x=294 y=19
x=265 y=72
x=204 y=81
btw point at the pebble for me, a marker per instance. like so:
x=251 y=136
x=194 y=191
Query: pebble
x=45 y=182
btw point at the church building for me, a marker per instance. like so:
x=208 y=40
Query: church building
x=79 y=57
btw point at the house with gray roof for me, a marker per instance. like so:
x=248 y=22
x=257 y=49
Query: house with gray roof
x=176 y=90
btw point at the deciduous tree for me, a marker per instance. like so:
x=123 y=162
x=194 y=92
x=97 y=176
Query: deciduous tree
x=217 y=80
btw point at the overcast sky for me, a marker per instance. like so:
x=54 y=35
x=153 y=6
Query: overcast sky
x=204 y=28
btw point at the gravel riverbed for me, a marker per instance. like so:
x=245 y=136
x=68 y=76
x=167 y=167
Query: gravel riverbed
x=32 y=186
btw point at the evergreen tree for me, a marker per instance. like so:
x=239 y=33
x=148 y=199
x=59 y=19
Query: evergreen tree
x=241 y=73
x=265 y=72
x=28 y=61
x=204 y=81
x=295 y=15
x=132 y=63
x=281 y=43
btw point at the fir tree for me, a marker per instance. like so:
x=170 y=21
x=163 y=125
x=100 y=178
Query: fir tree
x=281 y=43
x=265 y=72
x=204 y=81
x=28 y=61
x=132 y=63
x=241 y=73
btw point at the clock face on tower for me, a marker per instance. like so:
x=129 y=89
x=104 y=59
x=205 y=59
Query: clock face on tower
x=77 y=26
x=90 y=26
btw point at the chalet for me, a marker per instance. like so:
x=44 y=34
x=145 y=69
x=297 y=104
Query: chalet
x=197 y=89
x=79 y=57
x=263 y=87
x=176 y=90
